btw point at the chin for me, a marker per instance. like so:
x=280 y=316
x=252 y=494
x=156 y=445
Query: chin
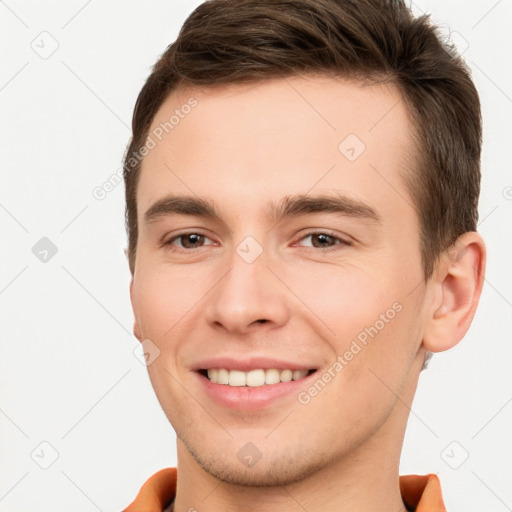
x=268 y=471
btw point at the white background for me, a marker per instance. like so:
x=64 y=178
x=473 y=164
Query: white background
x=68 y=374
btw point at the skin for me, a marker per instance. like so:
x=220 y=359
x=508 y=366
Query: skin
x=241 y=146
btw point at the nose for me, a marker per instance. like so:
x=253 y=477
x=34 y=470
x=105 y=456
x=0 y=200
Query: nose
x=247 y=296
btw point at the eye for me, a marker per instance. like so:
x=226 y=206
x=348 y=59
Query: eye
x=324 y=240
x=191 y=240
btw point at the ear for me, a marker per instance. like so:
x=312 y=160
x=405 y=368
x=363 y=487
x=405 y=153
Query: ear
x=457 y=281
x=136 y=327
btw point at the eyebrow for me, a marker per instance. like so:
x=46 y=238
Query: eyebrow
x=289 y=206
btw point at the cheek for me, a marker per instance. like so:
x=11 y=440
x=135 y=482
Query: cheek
x=370 y=321
x=164 y=300
x=345 y=299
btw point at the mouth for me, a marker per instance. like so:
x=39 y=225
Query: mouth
x=253 y=383
x=254 y=378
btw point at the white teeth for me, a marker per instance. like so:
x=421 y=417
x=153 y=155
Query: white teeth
x=286 y=375
x=272 y=376
x=253 y=378
x=298 y=374
x=237 y=378
x=222 y=376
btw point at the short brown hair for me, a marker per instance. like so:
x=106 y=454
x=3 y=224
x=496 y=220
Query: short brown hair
x=240 y=41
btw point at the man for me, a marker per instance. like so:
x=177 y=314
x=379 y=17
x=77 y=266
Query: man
x=302 y=188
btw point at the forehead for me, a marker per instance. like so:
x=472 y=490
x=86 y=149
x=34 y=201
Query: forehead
x=243 y=144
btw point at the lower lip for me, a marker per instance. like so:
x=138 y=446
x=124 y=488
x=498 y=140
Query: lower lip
x=249 y=398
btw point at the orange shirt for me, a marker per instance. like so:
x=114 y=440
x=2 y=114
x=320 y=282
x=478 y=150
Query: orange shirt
x=420 y=493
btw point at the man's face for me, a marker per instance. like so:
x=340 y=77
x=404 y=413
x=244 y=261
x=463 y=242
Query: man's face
x=251 y=290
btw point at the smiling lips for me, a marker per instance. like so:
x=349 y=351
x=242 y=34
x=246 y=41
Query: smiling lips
x=254 y=383
x=253 y=378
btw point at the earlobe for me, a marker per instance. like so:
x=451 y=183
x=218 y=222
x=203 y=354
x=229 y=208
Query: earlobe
x=136 y=327
x=458 y=282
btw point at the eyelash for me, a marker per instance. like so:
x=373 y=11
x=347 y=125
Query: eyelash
x=330 y=234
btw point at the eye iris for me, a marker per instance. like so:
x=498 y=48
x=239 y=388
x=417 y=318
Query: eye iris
x=190 y=239
x=322 y=238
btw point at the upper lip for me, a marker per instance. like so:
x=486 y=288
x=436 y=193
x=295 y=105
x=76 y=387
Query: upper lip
x=251 y=363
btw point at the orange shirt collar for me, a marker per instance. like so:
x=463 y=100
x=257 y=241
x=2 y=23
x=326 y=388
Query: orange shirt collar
x=421 y=493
